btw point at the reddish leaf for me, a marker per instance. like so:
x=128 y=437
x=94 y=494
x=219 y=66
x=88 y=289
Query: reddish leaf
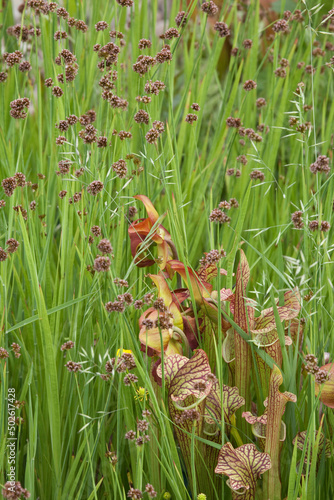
x=180 y=295
x=243 y=466
x=226 y=294
x=138 y=231
x=252 y=419
x=207 y=272
x=190 y=330
x=172 y=364
x=192 y=379
x=200 y=289
x=151 y=211
x=231 y=402
x=141 y=229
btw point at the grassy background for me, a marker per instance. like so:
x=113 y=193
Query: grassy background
x=47 y=296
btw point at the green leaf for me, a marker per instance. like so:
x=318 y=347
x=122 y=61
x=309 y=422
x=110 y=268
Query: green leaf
x=53 y=310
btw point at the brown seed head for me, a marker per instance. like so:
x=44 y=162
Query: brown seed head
x=281 y=26
x=104 y=246
x=195 y=106
x=154 y=87
x=152 y=136
x=125 y=3
x=297 y=220
x=9 y=185
x=3 y=255
x=62 y=194
x=181 y=19
x=233 y=122
x=222 y=29
x=81 y=26
x=170 y=34
x=143 y=64
x=57 y=91
x=249 y=85
x=150 y=490
x=14 y=491
x=95 y=187
x=320 y=165
x=142 y=117
x=280 y=72
x=117 y=306
x=48 y=82
x=144 y=44
x=191 y=118
x=130 y=378
x=120 y=168
x=164 y=55
x=96 y=231
x=24 y=66
x=123 y=134
x=73 y=367
x=68 y=345
x=102 y=142
x=60 y=140
x=313 y=225
x=219 y=216
x=102 y=264
x=260 y=102
x=101 y=26
x=159 y=126
x=257 y=175
x=248 y=44
x=18 y=108
x=325 y=226
x=321 y=376
x=12 y=245
x=209 y=8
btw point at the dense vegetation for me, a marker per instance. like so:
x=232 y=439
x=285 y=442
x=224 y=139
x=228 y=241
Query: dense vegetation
x=203 y=157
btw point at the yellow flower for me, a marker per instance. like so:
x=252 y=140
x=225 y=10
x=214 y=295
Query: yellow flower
x=122 y=351
x=141 y=393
